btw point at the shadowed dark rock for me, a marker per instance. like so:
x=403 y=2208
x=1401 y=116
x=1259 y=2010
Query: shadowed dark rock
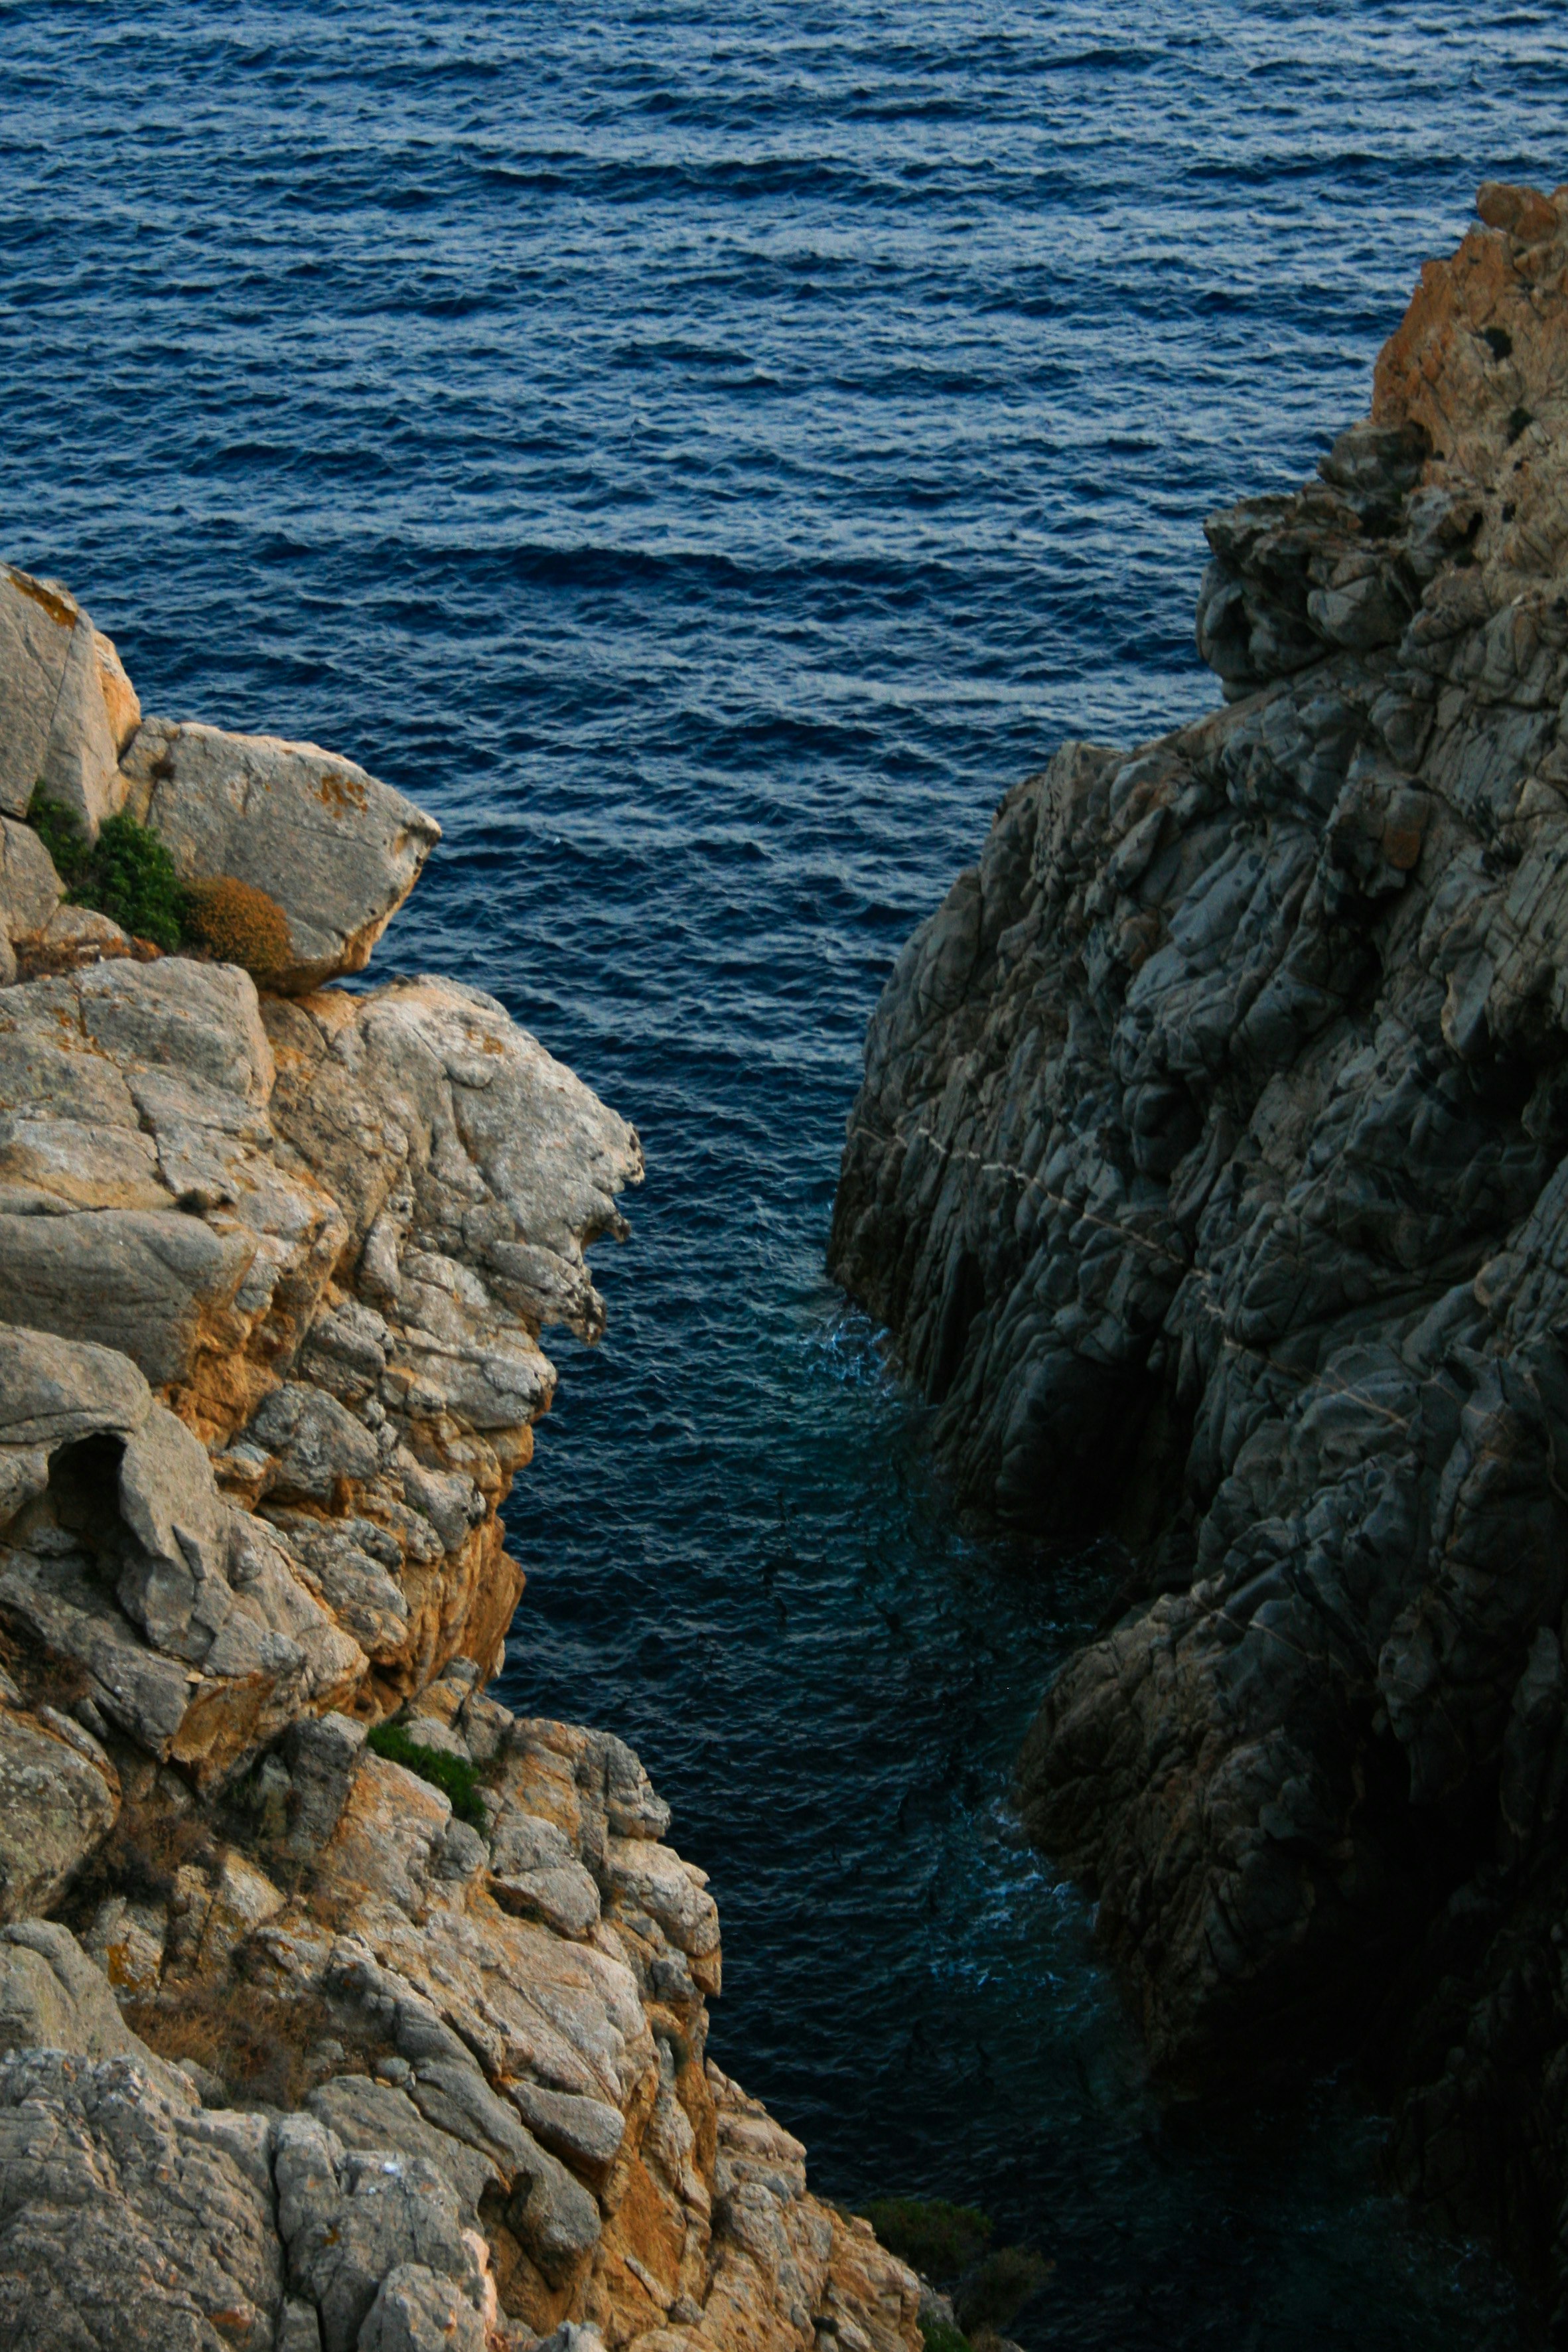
x=1207 y=1169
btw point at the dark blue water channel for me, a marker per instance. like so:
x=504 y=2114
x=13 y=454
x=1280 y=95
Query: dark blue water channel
x=706 y=452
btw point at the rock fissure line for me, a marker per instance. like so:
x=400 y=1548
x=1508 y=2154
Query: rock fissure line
x=1138 y=1241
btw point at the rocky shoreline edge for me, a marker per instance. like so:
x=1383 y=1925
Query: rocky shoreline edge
x=1208 y=1174
x=341 y=2011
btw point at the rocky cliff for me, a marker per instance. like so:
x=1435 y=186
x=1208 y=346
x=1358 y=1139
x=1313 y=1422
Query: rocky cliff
x=338 y=2007
x=1209 y=1173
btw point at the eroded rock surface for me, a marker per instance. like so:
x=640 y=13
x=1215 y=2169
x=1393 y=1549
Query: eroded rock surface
x=1209 y=1171
x=291 y=2058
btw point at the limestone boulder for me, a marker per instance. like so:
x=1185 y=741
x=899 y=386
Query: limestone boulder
x=66 y=707
x=337 y=850
x=141 y=1201
x=416 y=2310
x=536 y=1873
x=187 y=1618
x=674 y=1892
x=475 y=1168
x=366 y=2113
x=585 y=2133
x=54 y=1391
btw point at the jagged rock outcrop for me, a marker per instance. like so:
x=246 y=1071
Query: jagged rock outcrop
x=1208 y=1170
x=294 y=2058
x=67 y=710
x=335 y=851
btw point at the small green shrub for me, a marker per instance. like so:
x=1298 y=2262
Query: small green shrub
x=933 y=2237
x=127 y=874
x=941 y=2335
x=131 y=879
x=457 y=1781
x=997 y=2290
x=57 y=829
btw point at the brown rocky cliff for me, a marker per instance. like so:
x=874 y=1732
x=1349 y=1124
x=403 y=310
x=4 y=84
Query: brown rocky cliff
x=293 y=2053
x=1207 y=1171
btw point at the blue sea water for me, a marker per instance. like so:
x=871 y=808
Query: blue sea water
x=706 y=452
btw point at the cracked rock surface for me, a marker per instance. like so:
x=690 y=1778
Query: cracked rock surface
x=1209 y=1172
x=293 y=2057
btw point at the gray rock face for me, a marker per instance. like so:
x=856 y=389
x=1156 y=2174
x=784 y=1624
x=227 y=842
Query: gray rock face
x=323 y=1753
x=66 y=707
x=52 y=1997
x=335 y=849
x=349 y=2220
x=367 y=2114
x=586 y=2132
x=130 y=2220
x=1207 y=1168
x=536 y=1873
x=415 y=2311
x=30 y=890
x=59 y=1798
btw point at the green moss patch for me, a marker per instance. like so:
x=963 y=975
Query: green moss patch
x=457 y=1781
x=127 y=874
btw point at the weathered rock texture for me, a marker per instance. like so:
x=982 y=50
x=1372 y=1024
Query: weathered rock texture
x=338 y=851
x=291 y=2059
x=1209 y=1171
x=67 y=708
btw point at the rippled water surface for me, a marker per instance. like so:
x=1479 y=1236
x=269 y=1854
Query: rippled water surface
x=706 y=453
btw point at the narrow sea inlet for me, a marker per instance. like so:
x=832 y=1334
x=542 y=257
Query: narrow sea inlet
x=705 y=455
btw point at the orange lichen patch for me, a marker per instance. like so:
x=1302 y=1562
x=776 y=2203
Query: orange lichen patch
x=58 y=608
x=1480 y=343
x=219 y=1395
x=120 y=702
x=1524 y=213
x=641 y=2252
x=458 y=1607
x=234 y=922
x=358 y=946
x=871 y=2283
x=521 y=2287
x=220 y=1724
x=1402 y=846
x=1433 y=370
x=344 y=794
